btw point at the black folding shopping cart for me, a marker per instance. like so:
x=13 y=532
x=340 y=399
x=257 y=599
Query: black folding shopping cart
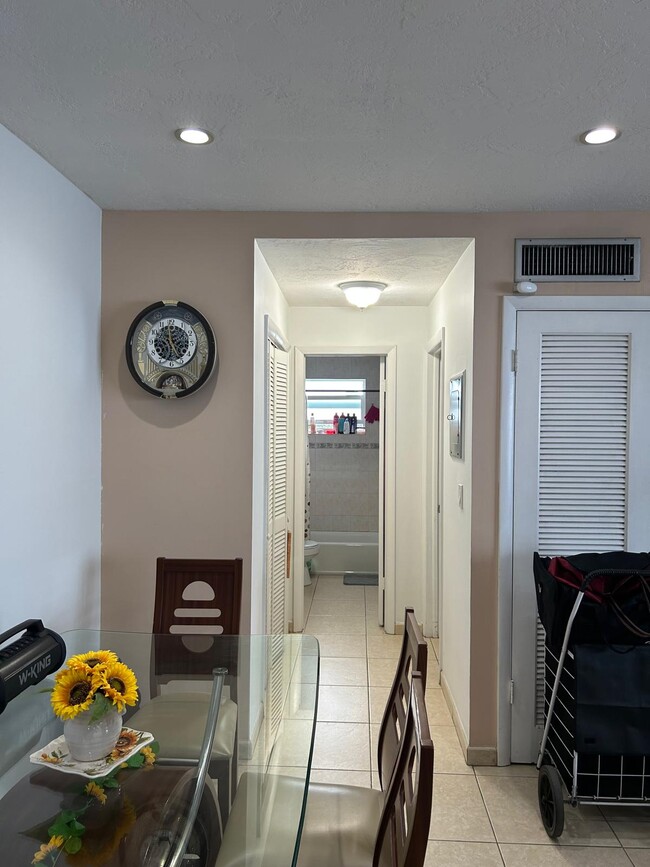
x=595 y=609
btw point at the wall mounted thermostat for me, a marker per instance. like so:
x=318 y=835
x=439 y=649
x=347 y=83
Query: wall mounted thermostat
x=455 y=415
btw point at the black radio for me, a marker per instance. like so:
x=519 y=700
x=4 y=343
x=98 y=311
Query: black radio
x=28 y=659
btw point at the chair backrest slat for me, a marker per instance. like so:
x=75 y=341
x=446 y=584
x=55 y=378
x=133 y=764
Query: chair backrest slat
x=413 y=657
x=212 y=588
x=404 y=824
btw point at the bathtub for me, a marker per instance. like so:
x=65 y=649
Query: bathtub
x=345 y=552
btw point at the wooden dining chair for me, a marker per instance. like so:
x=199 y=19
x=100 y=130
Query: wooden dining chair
x=196 y=600
x=346 y=826
x=413 y=657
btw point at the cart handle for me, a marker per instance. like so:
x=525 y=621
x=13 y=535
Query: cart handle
x=596 y=573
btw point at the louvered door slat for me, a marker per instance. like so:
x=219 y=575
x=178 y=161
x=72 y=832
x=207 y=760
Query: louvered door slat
x=586 y=445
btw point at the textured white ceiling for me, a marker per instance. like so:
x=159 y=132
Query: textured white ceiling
x=338 y=105
x=308 y=272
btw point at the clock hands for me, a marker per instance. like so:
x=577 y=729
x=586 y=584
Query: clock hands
x=171 y=341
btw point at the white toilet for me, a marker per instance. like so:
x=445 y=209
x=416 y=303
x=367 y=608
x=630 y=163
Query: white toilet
x=311 y=549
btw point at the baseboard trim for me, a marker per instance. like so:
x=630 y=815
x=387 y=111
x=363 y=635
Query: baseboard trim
x=482 y=756
x=455 y=716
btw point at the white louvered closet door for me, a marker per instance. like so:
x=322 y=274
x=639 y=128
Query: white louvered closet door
x=582 y=469
x=278 y=457
x=276 y=538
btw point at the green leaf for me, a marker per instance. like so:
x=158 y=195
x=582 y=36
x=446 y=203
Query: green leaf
x=100 y=706
x=77 y=828
x=136 y=761
x=154 y=746
x=72 y=845
x=58 y=829
x=110 y=783
x=67 y=815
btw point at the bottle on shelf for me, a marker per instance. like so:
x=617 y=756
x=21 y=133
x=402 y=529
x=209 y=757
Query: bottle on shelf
x=353 y=423
x=346 y=425
x=312 y=424
x=335 y=423
x=341 y=423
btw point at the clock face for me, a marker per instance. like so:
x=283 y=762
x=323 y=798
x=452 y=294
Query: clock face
x=170 y=349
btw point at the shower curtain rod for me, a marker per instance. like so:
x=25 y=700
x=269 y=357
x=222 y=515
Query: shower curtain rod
x=342 y=391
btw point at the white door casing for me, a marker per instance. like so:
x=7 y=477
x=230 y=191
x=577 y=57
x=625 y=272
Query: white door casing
x=580 y=471
x=389 y=480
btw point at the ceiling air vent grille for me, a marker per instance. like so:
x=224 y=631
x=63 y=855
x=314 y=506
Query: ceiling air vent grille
x=577 y=260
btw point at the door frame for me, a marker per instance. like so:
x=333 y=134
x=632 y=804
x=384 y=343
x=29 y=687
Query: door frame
x=299 y=446
x=434 y=402
x=511 y=306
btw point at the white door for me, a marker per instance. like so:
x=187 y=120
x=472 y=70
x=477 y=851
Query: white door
x=581 y=466
x=276 y=531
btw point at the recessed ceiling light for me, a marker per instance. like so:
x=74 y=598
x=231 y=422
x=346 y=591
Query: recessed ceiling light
x=362 y=293
x=600 y=135
x=194 y=136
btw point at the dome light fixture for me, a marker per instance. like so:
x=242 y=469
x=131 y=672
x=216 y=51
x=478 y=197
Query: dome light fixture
x=362 y=293
x=194 y=136
x=600 y=135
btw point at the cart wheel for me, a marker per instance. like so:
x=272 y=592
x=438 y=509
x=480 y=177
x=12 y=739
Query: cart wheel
x=551 y=801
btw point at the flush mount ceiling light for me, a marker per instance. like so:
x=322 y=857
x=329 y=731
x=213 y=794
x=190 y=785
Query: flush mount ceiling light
x=362 y=293
x=192 y=135
x=600 y=135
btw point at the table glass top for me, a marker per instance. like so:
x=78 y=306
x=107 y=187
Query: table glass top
x=266 y=700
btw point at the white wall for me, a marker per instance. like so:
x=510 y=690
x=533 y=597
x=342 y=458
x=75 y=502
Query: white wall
x=453 y=309
x=311 y=328
x=50 y=492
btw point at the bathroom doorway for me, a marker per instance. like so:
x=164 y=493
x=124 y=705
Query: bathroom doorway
x=344 y=476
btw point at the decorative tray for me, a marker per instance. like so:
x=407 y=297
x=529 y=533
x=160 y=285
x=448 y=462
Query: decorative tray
x=57 y=757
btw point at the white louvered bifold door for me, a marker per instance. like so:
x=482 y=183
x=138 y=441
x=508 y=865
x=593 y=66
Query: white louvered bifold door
x=276 y=553
x=581 y=468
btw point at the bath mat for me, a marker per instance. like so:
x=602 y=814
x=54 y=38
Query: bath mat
x=367 y=578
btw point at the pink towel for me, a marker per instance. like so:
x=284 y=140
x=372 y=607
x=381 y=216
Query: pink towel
x=372 y=415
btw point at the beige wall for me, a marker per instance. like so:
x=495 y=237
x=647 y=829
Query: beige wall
x=177 y=478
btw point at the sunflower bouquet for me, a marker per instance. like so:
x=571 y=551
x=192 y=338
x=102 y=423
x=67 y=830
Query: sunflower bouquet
x=95 y=681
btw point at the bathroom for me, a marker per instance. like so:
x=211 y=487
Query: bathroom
x=342 y=489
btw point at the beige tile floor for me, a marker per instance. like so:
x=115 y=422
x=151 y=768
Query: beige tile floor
x=484 y=817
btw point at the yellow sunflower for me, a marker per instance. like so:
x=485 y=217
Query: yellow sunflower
x=48 y=849
x=73 y=693
x=88 y=661
x=125 y=743
x=118 y=684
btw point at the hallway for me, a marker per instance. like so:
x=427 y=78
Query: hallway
x=484 y=817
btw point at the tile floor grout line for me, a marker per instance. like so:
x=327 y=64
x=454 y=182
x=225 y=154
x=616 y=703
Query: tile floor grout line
x=485 y=806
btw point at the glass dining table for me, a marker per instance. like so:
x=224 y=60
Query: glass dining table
x=212 y=710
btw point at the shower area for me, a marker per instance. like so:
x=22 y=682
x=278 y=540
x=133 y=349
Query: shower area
x=342 y=401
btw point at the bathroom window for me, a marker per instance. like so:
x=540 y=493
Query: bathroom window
x=325 y=397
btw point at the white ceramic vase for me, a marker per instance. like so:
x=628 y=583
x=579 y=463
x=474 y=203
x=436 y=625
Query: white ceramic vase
x=89 y=741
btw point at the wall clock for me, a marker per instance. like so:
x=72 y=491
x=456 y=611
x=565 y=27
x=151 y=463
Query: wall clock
x=170 y=349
